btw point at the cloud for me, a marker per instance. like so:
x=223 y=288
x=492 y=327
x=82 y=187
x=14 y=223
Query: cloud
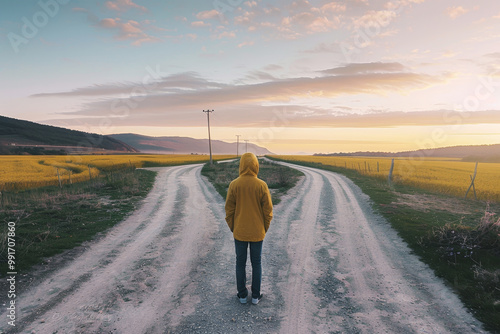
x=314 y=19
x=333 y=7
x=168 y=84
x=447 y=54
x=200 y=24
x=456 y=11
x=360 y=78
x=250 y=4
x=491 y=66
x=227 y=34
x=273 y=67
x=243 y=44
x=246 y=18
x=380 y=18
x=400 y=118
x=324 y=48
x=401 y=3
x=259 y=76
x=495 y=55
x=363 y=68
x=176 y=97
x=293 y=20
x=192 y=36
x=208 y=14
x=124 y=5
x=291 y=116
x=131 y=30
x=323 y=24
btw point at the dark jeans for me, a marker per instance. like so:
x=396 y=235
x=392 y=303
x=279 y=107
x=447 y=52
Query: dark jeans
x=241 y=261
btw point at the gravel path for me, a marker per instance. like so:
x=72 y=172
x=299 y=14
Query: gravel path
x=330 y=265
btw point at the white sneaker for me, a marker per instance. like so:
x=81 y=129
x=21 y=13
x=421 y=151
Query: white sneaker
x=242 y=300
x=255 y=301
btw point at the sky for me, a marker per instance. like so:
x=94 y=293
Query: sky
x=297 y=77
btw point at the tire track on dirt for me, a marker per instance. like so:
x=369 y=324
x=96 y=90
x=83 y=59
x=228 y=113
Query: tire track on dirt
x=298 y=242
x=109 y=263
x=370 y=281
x=178 y=260
x=391 y=287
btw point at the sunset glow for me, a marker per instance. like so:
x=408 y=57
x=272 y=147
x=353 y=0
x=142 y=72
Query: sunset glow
x=295 y=77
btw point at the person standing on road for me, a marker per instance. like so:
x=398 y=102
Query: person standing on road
x=249 y=211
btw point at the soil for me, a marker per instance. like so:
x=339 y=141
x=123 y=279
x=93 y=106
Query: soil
x=330 y=265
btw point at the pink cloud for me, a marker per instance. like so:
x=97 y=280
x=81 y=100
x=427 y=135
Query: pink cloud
x=292 y=21
x=130 y=29
x=199 y=24
x=323 y=24
x=208 y=14
x=353 y=79
x=333 y=7
x=109 y=23
x=123 y=5
x=250 y=4
x=380 y=18
x=245 y=44
x=455 y=12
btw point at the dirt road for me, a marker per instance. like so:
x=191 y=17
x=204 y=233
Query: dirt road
x=329 y=265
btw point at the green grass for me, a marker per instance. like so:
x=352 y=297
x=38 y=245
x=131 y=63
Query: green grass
x=442 y=232
x=279 y=178
x=50 y=220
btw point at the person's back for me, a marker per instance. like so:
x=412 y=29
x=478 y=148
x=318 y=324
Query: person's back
x=249 y=211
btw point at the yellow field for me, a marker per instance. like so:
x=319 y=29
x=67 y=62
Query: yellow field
x=23 y=172
x=445 y=175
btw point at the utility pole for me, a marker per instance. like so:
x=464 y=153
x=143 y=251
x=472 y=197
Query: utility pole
x=237 y=145
x=209 y=140
x=246 y=145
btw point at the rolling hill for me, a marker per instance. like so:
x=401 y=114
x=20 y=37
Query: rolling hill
x=184 y=145
x=486 y=153
x=24 y=137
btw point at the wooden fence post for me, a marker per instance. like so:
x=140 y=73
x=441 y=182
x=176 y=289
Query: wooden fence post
x=472 y=178
x=390 y=172
x=378 y=168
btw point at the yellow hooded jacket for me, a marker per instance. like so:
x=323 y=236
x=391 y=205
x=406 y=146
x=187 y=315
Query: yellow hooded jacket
x=249 y=208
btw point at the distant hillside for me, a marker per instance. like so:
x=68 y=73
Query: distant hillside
x=24 y=137
x=486 y=153
x=185 y=145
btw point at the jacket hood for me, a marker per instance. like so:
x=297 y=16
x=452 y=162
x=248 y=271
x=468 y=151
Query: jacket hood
x=249 y=165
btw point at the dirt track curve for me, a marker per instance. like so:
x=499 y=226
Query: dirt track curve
x=330 y=265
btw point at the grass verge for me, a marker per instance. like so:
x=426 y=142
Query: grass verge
x=279 y=178
x=458 y=239
x=50 y=220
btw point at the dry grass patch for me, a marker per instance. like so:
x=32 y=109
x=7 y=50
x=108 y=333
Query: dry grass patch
x=428 y=203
